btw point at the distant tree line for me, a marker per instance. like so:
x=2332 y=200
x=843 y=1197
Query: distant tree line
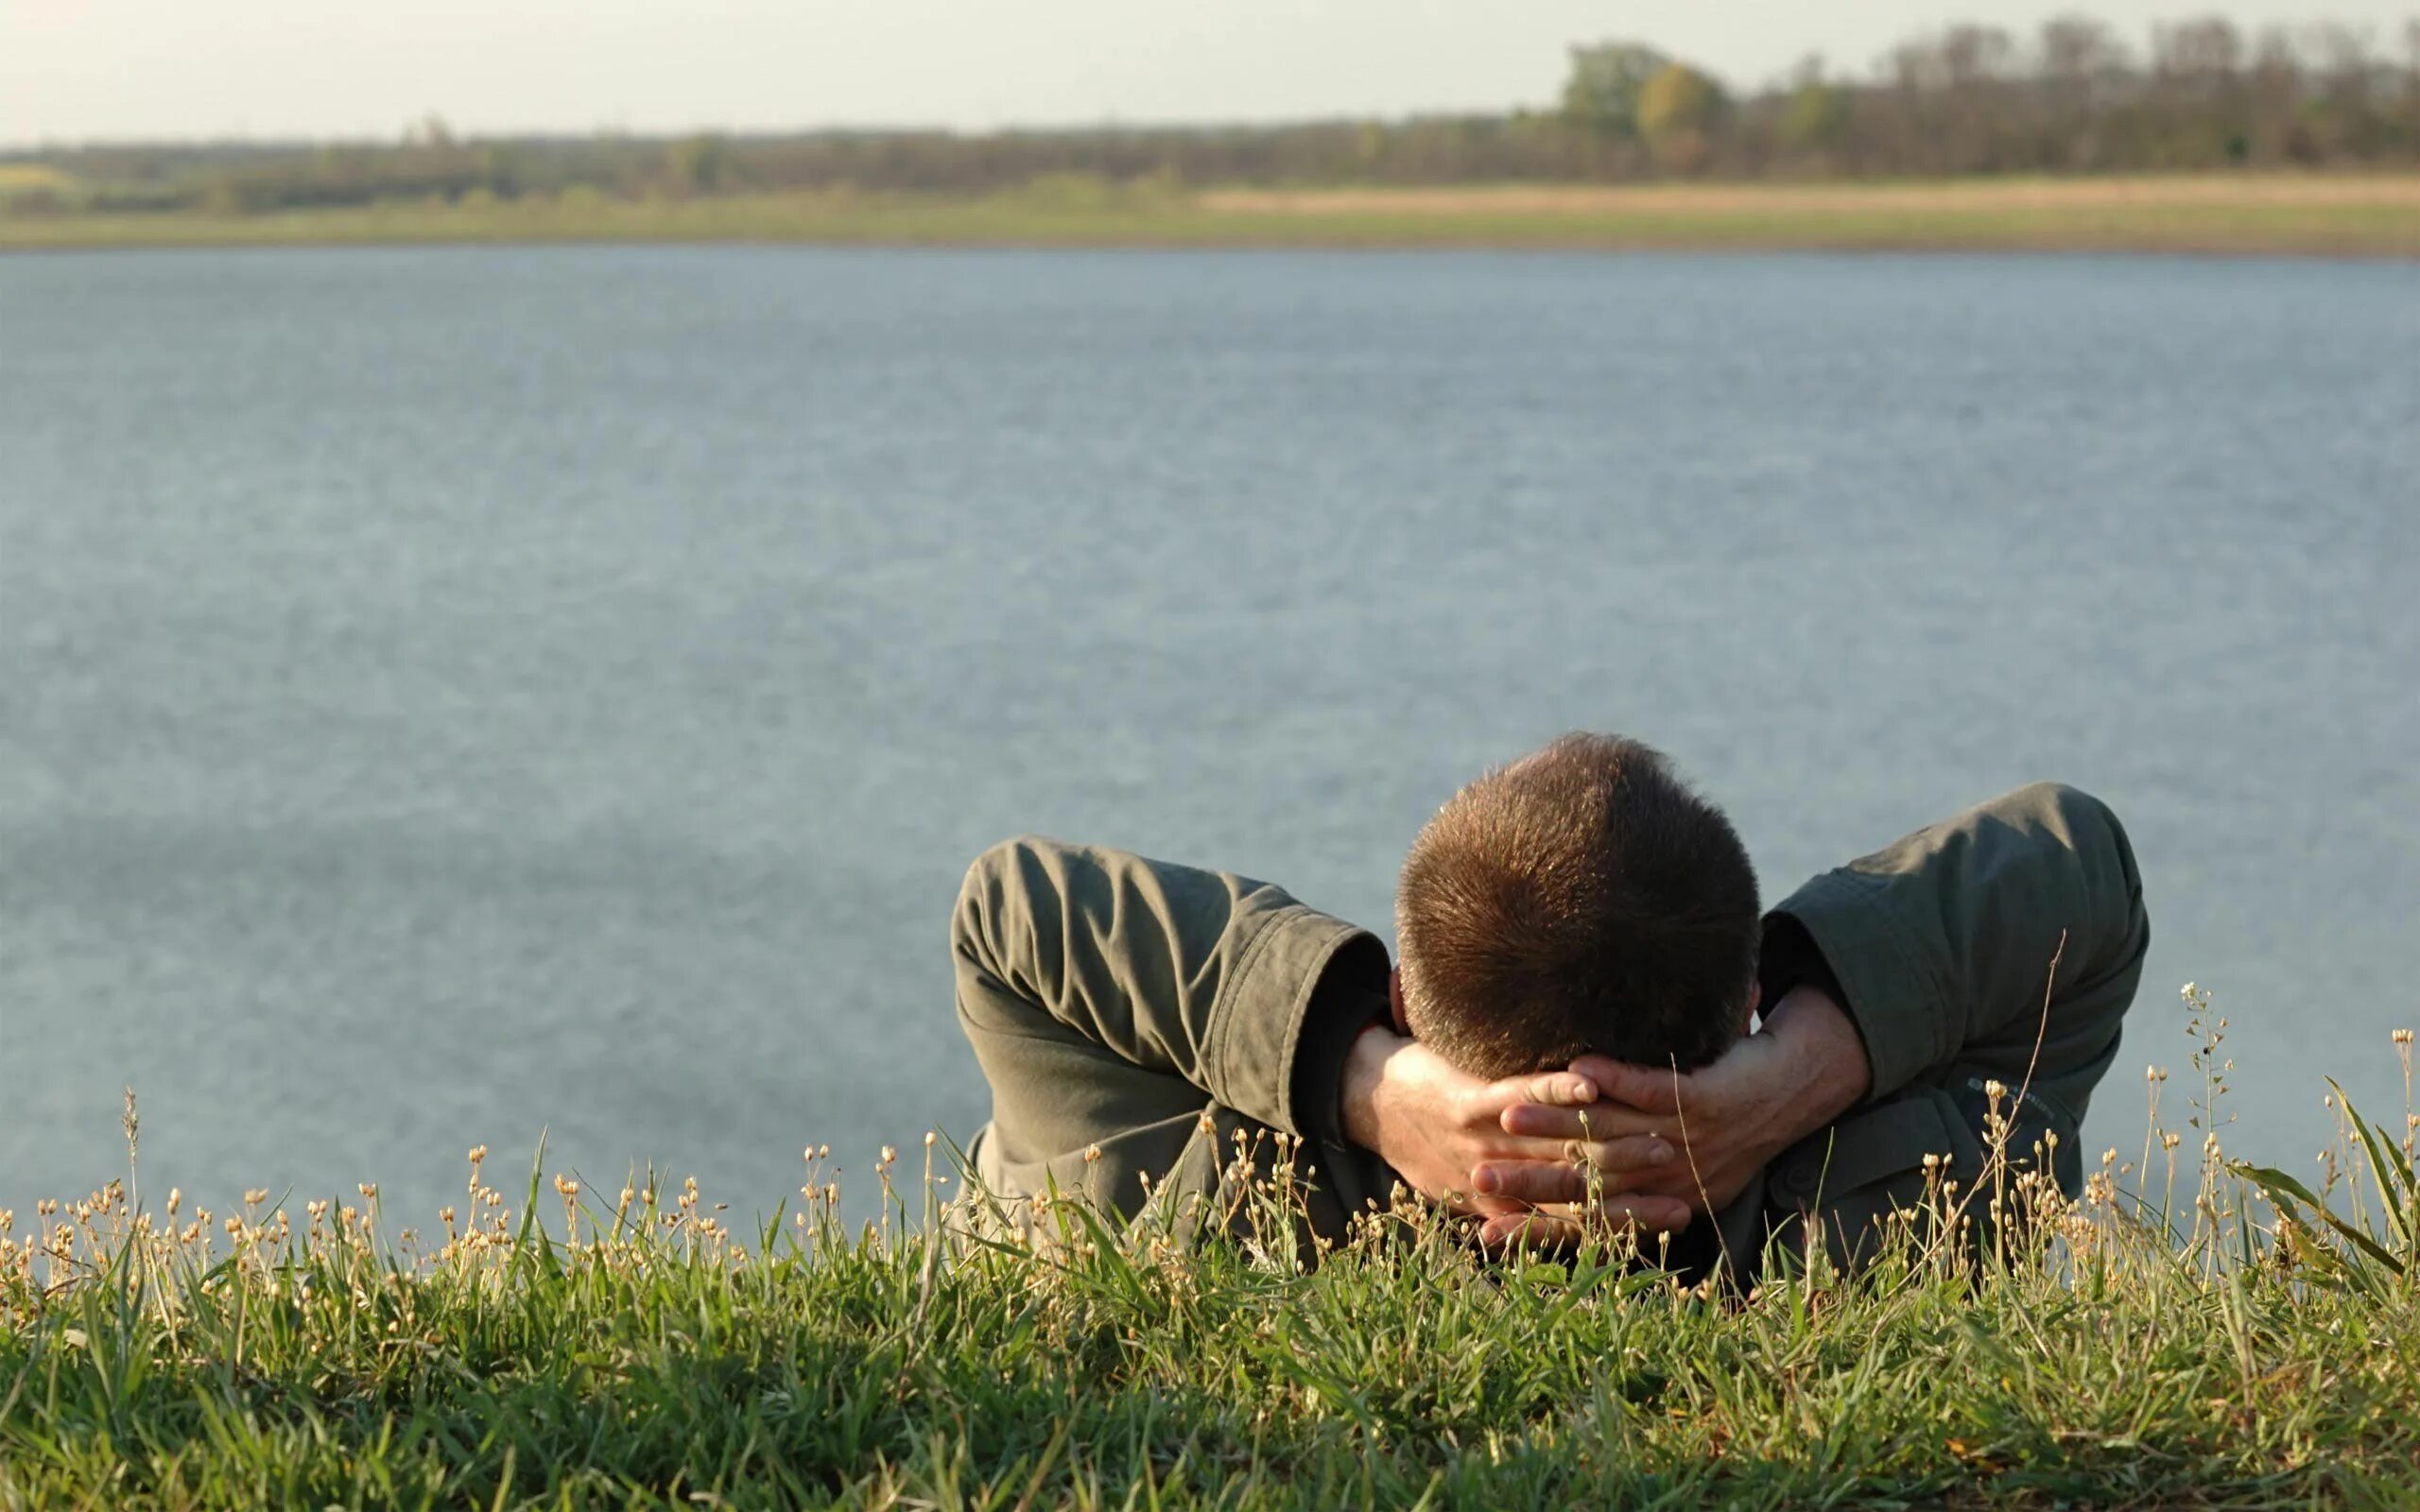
x=2074 y=97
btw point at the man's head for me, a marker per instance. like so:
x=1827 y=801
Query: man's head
x=1582 y=900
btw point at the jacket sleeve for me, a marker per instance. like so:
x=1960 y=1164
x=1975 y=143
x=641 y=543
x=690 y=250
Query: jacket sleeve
x=1943 y=945
x=1205 y=976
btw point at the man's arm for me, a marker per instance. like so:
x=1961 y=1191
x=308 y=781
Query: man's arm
x=1205 y=977
x=1944 y=945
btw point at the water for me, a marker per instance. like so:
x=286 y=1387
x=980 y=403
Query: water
x=445 y=694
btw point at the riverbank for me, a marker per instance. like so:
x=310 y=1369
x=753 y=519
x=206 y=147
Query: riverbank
x=2169 y=1346
x=2321 y=216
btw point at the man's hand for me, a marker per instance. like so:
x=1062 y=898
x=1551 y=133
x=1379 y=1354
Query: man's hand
x=1435 y=1125
x=1697 y=1139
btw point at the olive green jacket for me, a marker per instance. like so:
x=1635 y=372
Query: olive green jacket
x=1138 y=1021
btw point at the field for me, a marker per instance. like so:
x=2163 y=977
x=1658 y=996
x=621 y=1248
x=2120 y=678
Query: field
x=2189 y=1333
x=2364 y=216
x=27 y=178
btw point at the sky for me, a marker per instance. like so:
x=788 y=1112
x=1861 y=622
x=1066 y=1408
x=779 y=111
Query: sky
x=87 y=70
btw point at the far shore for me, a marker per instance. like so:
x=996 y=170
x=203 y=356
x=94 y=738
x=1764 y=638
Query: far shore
x=2354 y=215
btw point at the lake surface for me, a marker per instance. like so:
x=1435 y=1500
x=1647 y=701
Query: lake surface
x=448 y=693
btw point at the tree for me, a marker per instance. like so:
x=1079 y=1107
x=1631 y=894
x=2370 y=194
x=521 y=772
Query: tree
x=2079 y=51
x=1603 y=94
x=1677 y=108
x=1814 y=111
x=1972 y=55
x=699 y=165
x=2206 y=51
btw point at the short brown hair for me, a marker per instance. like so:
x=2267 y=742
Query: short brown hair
x=1582 y=900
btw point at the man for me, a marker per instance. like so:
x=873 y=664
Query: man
x=1135 y=1017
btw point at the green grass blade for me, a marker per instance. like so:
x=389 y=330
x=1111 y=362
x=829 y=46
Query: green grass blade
x=2274 y=1182
x=2391 y=1175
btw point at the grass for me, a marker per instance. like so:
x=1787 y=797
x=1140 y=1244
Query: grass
x=2212 y=1352
x=2369 y=215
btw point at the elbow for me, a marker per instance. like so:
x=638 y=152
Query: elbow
x=1008 y=890
x=2087 y=826
x=2111 y=882
x=981 y=894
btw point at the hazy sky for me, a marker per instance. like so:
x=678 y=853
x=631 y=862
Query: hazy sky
x=84 y=69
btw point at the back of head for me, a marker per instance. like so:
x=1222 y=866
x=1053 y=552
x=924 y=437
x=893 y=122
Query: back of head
x=1582 y=900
